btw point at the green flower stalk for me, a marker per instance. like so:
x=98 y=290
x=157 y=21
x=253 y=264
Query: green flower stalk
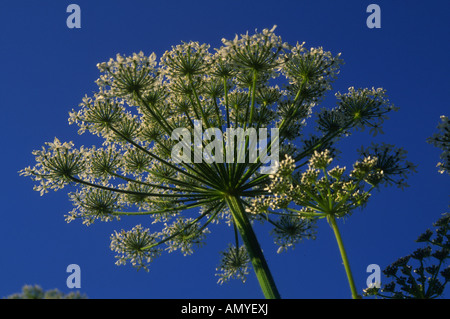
x=144 y=109
x=322 y=192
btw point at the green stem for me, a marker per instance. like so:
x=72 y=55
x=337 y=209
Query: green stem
x=252 y=102
x=251 y=243
x=154 y=156
x=333 y=224
x=173 y=210
x=226 y=101
x=124 y=191
x=197 y=100
x=178 y=232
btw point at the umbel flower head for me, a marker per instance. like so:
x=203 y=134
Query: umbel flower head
x=55 y=165
x=391 y=166
x=135 y=246
x=255 y=81
x=126 y=76
x=322 y=191
x=234 y=264
x=259 y=52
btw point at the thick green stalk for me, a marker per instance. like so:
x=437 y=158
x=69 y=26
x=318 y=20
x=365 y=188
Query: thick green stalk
x=334 y=226
x=251 y=243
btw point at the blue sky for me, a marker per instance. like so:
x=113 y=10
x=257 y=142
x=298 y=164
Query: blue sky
x=47 y=68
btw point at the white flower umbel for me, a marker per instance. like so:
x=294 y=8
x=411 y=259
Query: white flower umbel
x=135 y=246
x=254 y=82
x=321 y=192
x=233 y=265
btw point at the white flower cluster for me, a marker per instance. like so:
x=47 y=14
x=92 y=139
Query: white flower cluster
x=97 y=115
x=313 y=70
x=259 y=52
x=260 y=205
x=233 y=265
x=362 y=169
x=329 y=191
x=364 y=108
x=127 y=75
x=318 y=189
x=184 y=235
x=105 y=162
x=320 y=160
x=186 y=60
x=291 y=229
x=140 y=246
x=390 y=167
x=279 y=187
x=56 y=163
x=135 y=246
x=93 y=203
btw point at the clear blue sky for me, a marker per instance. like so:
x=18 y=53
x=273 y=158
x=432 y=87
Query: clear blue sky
x=47 y=68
